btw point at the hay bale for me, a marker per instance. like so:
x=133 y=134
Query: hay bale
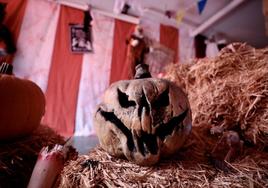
x=99 y=169
x=229 y=92
x=17 y=158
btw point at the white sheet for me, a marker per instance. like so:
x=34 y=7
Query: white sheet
x=95 y=74
x=36 y=41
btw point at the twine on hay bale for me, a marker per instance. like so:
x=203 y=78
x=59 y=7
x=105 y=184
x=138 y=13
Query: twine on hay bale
x=17 y=158
x=99 y=169
x=228 y=92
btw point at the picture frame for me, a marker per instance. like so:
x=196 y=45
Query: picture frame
x=81 y=41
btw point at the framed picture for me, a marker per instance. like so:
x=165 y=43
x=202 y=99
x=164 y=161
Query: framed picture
x=81 y=41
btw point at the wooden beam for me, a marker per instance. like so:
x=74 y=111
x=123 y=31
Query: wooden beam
x=223 y=12
x=162 y=18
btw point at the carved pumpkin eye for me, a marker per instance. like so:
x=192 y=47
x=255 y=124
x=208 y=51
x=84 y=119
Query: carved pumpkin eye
x=123 y=100
x=110 y=116
x=166 y=129
x=162 y=100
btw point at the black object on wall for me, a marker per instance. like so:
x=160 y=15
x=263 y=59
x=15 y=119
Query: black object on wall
x=5 y=34
x=200 y=46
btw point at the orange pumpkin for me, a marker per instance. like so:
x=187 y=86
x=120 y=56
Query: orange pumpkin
x=22 y=105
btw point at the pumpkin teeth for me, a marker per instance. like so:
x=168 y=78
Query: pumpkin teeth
x=145 y=121
x=147 y=144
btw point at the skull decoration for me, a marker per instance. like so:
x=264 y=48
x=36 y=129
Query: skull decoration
x=143 y=119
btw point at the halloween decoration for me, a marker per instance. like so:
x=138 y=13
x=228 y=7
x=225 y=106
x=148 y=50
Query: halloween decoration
x=143 y=119
x=81 y=35
x=137 y=49
x=49 y=165
x=7 y=45
x=227 y=149
x=2 y=12
x=126 y=8
x=22 y=105
x=18 y=156
x=170 y=13
x=80 y=40
x=88 y=25
x=158 y=58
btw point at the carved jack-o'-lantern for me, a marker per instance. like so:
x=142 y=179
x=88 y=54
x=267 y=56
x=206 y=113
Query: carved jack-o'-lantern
x=143 y=119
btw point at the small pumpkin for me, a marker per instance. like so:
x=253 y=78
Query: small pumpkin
x=22 y=105
x=143 y=119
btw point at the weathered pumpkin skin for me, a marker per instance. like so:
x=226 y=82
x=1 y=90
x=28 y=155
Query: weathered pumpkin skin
x=22 y=105
x=142 y=118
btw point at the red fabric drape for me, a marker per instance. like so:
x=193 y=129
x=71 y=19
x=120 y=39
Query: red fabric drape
x=13 y=19
x=169 y=37
x=64 y=77
x=120 y=66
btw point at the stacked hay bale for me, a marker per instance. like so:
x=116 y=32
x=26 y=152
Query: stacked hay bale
x=229 y=92
x=99 y=169
x=18 y=157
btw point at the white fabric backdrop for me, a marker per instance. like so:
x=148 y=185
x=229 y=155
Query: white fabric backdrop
x=36 y=41
x=95 y=74
x=186 y=44
x=212 y=49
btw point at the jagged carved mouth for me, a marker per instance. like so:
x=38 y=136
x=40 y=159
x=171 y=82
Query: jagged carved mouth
x=146 y=143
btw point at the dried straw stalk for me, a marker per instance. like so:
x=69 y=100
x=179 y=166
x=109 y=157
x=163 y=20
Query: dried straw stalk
x=17 y=158
x=229 y=92
x=99 y=169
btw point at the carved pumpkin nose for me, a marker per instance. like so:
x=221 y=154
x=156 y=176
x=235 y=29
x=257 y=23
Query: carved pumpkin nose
x=144 y=113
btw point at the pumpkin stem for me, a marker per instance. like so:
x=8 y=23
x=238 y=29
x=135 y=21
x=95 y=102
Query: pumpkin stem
x=142 y=71
x=6 y=68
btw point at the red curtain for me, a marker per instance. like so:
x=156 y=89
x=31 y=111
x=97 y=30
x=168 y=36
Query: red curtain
x=120 y=66
x=13 y=19
x=64 y=77
x=169 y=37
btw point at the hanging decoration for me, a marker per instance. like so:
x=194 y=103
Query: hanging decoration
x=170 y=13
x=126 y=8
x=201 y=5
x=179 y=16
x=81 y=35
x=137 y=49
x=7 y=45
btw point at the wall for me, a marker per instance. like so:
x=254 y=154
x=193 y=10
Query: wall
x=73 y=83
